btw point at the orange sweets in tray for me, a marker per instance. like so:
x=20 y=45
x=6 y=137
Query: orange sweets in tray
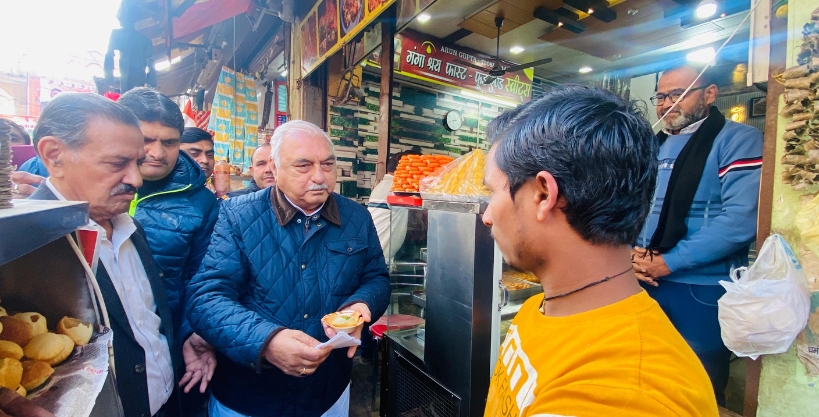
x=411 y=168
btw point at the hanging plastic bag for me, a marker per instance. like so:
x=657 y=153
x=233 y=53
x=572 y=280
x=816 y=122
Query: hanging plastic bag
x=461 y=177
x=767 y=305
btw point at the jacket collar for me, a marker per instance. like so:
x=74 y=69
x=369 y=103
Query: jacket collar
x=286 y=211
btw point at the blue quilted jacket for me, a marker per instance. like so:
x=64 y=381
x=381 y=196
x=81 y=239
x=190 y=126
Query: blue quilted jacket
x=269 y=268
x=178 y=214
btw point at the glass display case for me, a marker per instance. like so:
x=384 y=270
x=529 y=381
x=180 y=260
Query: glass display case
x=453 y=299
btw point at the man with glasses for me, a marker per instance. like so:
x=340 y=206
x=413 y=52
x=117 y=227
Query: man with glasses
x=703 y=216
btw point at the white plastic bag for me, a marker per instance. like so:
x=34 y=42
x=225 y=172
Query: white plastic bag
x=766 y=305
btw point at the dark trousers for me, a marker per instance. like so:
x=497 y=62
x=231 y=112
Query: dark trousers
x=692 y=309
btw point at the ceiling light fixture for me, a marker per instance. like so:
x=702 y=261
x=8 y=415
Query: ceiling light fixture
x=283 y=74
x=585 y=70
x=516 y=49
x=706 y=9
x=424 y=17
x=702 y=55
x=591 y=11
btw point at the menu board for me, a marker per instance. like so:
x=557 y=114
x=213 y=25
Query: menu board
x=333 y=23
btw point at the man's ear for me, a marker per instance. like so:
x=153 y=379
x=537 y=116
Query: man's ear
x=711 y=94
x=545 y=194
x=53 y=152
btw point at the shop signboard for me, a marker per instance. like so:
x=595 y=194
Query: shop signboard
x=427 y=58
x=333 y=23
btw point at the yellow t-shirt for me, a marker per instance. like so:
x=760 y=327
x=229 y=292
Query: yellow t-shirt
x=625 y=359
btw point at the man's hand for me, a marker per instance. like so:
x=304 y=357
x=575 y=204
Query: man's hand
x=25 y=183
x=648 y=267
x=295 y=353
x=14 y=405
x=362 y=309
x=200 y=362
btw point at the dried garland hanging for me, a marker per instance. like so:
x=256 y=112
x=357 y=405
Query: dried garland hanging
x=801 y=160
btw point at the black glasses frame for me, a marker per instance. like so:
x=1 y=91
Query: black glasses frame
x=674 y=96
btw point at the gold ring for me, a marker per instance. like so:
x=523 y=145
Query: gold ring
x=303 y=371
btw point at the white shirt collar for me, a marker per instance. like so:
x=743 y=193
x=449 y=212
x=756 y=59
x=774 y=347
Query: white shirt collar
x=688 y=129
x=299 y=208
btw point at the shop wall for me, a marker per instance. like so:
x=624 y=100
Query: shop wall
x=643 y=88
x=416 y=123
x=14 y=94
x=785 y=388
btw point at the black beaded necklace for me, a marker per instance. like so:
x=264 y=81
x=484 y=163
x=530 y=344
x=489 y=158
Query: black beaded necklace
x=591 y=284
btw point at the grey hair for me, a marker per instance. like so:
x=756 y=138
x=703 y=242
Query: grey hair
x=67 y=115
x=295 y=127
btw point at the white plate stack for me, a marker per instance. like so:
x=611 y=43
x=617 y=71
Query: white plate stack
x=5 y=167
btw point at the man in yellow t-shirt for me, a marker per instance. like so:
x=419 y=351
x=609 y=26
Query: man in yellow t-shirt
x=571 y=177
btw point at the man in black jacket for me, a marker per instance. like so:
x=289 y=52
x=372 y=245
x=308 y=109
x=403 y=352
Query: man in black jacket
x=92 y=148
x=262 y=171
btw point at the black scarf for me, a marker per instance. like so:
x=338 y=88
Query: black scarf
x=683 y=183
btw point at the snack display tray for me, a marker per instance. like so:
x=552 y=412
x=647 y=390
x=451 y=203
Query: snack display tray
x=455 y=198
x=523 y=293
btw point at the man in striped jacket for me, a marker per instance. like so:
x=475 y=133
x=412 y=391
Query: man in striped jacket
x=704 y=213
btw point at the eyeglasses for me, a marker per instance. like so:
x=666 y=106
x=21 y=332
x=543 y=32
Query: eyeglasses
x=674 y=96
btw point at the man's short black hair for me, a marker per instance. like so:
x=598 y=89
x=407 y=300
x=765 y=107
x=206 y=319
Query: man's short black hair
x=392 y=163
x=152 y=106
x=501 y=122
x=66 y=116
x=195 y=134
x=600 y=150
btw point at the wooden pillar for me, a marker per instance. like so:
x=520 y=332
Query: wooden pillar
x=385 y=98
x=779 y=42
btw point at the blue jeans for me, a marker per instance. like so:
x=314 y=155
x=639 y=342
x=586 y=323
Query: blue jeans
x=692 y=310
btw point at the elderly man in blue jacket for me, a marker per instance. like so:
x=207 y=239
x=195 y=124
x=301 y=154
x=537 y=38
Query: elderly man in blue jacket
x=279 y=260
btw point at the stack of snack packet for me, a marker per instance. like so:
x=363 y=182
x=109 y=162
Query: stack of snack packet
x=5 y=167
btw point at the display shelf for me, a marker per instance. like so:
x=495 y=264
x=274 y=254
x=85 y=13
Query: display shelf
x=31 y=224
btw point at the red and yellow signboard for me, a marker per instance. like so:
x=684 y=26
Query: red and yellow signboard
x=427 y=58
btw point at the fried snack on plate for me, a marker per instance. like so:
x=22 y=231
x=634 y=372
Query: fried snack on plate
x=343 y=321
x=35 y=373
x=37 y=321
x=11 y=373
x=49 y=347
x=15 y=330
x=10 y=350
x=79 y=331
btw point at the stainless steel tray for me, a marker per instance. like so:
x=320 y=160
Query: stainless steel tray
x=523 y=293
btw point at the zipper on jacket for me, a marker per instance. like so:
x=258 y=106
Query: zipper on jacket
x=137 y=200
